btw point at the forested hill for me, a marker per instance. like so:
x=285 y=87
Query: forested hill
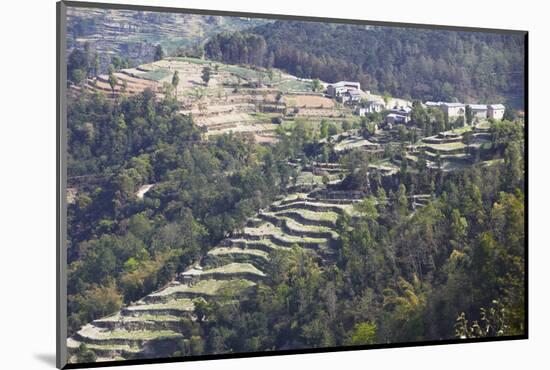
x=422 y=64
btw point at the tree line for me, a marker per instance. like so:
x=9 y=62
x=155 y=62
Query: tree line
x=422 y=64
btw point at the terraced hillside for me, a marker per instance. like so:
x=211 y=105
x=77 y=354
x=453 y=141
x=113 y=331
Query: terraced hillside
x=153 y=325
x=454 y=149
x=134 y=34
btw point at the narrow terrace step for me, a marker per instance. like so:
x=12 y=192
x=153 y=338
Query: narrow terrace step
x=223 y=255
x=291 y=227
x=203 y=288
x=281 y=238
x=234 y=271
x=178 y=307
x=94 y=335
x=104 y=350
x=306 y=217
x=141 y=322
x=264 y=245
x=311 y=205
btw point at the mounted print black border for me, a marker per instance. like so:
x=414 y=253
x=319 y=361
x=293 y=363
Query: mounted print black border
x=61 y=209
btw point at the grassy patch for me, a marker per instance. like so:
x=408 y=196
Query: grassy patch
x=222 y=251
x=447 y=146
x=183 y=304
x=308 y=178
x=138 y=334
x=292 y=85
x=156 y=75
x=120 y=318
x=311 y=215
x=233 y=268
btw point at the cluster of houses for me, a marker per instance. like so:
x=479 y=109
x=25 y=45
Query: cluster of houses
x=350 y=92
x=345 y=91
x=479 y=111
x=451 y=110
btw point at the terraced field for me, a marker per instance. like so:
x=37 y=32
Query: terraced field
x=155 y=323
x=450 y=150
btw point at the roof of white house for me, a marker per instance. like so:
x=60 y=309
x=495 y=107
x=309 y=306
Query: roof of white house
x=344 y=83
x=394 y=115
x=433 y=103
x=453 y=105
x=497 y=106
x=478 y=106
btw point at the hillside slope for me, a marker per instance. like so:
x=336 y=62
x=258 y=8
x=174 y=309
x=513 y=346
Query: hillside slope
x=422 y=64
x=133 y=35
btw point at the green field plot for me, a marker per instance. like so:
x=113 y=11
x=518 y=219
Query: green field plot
x=446 y=146
x=121 y=318
x=292 y=85
x=182 y=304
x=193 y=60
x=138 y=334
x=223 y=251
x=234 y=268
x=156 y=74
x=311 y=215
x=98 y=334
x=270 y=229
x=207 y=287
x=308 y=178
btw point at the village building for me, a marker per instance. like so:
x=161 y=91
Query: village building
x=374 y=106
x=352 y=96
x=433 y=104
x=399 y=115
x=479 y=111
x=496 y=111
x=453 y=110
x=394 y=118
x=361 y=112
x=345 y=91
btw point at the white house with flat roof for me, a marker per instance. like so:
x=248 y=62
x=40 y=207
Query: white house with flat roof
x=394 y=118
x=496 y=111
x=478 y=111
x=453 y=110
x=433 y=104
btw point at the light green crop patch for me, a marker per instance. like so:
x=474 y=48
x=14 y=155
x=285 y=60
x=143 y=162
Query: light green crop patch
x=310 y=215
x=222 y=251
x=138 y=334
x=183 y=304
x=234 y=268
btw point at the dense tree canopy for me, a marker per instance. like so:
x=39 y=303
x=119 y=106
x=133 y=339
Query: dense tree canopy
x=424 y=64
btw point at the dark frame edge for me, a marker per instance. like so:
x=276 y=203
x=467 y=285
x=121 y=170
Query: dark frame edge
x=61 y=191
x=526 y=174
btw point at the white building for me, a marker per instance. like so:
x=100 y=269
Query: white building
x=374 y=106
x=453 y=110
x=478 y=111
x=339 y=89
x=496 y=111
x=394 y=118
x=433 y=104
